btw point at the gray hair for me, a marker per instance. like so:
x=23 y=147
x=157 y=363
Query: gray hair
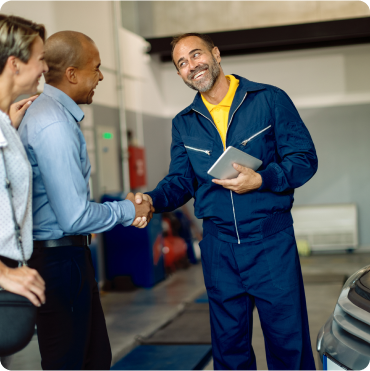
x=16 y=38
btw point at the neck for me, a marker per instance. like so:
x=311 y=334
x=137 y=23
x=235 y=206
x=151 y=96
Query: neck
x=218 y=91
x=65 y=88
x=8 y=93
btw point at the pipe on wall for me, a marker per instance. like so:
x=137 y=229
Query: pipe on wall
x=116 y=14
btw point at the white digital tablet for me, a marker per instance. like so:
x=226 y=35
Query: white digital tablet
x=223 y=167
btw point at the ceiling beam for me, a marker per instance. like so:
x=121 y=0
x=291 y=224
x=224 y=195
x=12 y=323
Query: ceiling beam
x=280 y=38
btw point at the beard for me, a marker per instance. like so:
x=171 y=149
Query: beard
x=207 y=81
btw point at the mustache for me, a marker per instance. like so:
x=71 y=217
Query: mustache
x=197 y=70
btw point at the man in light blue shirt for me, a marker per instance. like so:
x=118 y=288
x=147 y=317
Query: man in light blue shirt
x=71 y=327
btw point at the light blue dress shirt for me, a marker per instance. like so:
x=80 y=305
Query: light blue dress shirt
x=56 y=149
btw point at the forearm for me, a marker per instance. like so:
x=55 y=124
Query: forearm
x=169 y=196
x=96 y=218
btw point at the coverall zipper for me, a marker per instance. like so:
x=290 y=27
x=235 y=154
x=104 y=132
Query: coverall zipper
x=199 y=150
x=244 y=142
x=231 y=193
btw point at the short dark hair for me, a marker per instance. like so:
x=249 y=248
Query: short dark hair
x=16 y=38
x=62 y=50
x=207 y=40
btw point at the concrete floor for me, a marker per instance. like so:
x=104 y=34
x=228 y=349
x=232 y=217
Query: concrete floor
x=139 y=313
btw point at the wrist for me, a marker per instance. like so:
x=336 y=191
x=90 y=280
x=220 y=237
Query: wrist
x=3 y=270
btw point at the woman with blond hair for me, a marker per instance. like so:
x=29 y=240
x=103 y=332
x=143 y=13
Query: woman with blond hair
x=21 y=66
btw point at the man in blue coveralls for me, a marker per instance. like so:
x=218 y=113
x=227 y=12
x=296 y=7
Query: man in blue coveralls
x=249 y=253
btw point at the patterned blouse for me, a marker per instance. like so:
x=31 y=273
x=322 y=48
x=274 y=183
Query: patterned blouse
x=20 y=175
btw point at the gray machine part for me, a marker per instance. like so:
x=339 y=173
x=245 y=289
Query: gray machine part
x=346 y=334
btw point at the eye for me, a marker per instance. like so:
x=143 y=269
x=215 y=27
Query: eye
x=196 y=55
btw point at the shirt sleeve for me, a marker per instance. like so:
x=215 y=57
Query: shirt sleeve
x=180 y=185
x=297 y=155
x=57 y=151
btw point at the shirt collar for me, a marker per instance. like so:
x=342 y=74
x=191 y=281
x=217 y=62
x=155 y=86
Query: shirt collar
x=245 y=86
x=228 y=98
x=67 y=102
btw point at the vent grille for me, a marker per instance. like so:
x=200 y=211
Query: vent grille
x=327 y=226
x=329 y=239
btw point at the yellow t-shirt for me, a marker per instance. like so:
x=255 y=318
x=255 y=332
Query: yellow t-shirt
x=220 y=112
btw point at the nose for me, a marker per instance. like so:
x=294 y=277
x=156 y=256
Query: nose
x=46 y=68
x=101 y=76
x=193 y=65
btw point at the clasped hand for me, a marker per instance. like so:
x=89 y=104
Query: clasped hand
x=247 y=180
x=143 y=209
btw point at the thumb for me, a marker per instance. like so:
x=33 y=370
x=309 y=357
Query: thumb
x=240 y=168
x=138 y=198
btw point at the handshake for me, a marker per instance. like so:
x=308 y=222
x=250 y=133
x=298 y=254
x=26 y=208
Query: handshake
x=143 y=209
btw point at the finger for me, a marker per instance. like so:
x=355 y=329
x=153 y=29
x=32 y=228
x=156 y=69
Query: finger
x=143 y=223
x=139 y=198
x=39 y=293
x=35 y=275
x=143 y=226
x=136 y=222
x=26 y=100
x=149 y=199
x=240 y=168
x=30 y=296
x=224 y=182
x=40 y=280
x=36 y=282
x=25 y=106
x=140 y=223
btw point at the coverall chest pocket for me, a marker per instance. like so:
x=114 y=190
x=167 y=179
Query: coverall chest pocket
x=258 y=141
x=200 y=154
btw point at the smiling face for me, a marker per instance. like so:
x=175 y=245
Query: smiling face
x=29 y=74
x=197 y=65
x=89 y=75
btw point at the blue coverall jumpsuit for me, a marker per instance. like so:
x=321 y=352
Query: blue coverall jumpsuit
x=249 y=254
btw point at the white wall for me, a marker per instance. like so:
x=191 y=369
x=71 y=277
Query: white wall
x=312 y=78
x=94 y=18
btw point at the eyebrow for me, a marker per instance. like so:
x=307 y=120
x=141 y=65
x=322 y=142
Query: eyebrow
x=192 y=51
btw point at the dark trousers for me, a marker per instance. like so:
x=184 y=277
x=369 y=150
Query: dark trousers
x=265 y=274
x=71 y=326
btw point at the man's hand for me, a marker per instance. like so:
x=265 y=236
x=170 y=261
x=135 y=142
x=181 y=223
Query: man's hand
x=144 y=210
x=23 y=281
x=139 y=197
x=17 y=110
x=248 y=180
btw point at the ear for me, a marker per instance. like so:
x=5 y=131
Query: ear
x=216 y=53
x=13 y=64
x=71 y=74
x=178 y=72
